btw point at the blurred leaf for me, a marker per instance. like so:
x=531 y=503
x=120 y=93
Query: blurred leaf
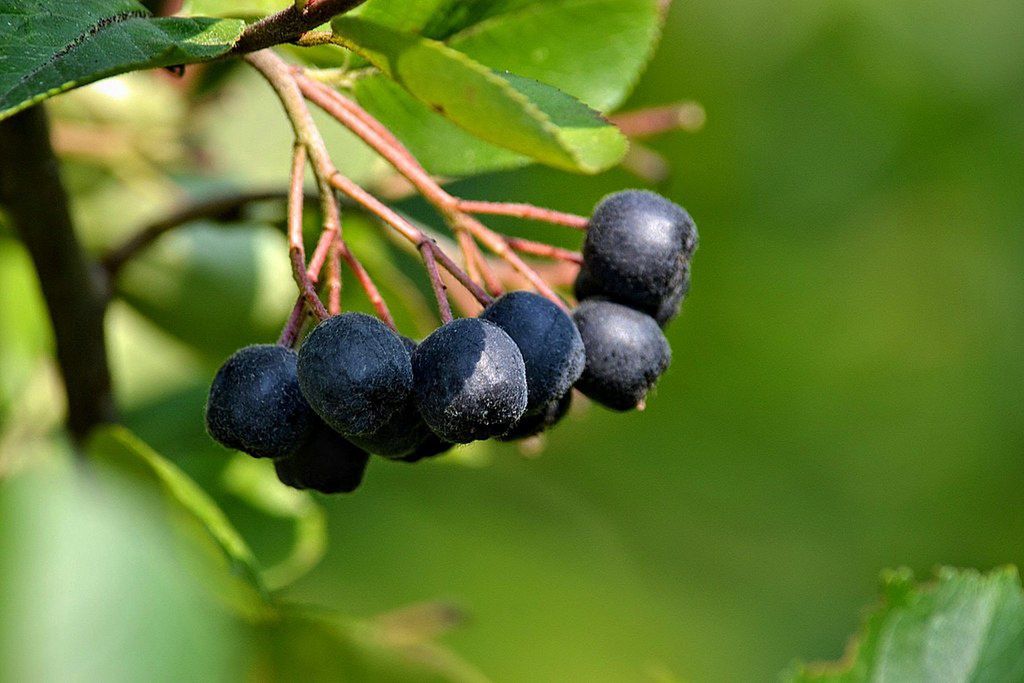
x=47 y=48
x=521 y=115
x=215 y=287
x=964 y=627
x=233 y=8
x=199 y=519
x=297 y=646
x=255 y=482
x=93 y=586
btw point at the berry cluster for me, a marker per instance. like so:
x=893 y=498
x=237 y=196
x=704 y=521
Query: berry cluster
x=356 y=387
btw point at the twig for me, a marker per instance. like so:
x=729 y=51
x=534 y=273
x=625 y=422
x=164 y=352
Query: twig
x=334 y=277
x=220 y=208
x=288 y=25
x=290 y=333
x=440 y=291
x=37 y=204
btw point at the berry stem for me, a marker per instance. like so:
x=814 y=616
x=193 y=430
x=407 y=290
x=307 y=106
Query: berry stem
x=524 y=211
x=368 y=285
x=296 y=248
x=440 y=291
x=290 y=333
x=334 y=277
x=371 y=131
x=545 y=250
x=643 y=123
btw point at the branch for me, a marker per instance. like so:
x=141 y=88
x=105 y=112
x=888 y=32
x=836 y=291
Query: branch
x=32 y=191
x=289 y=24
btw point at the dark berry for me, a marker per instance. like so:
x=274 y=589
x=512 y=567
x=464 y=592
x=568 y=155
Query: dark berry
x=626 y=353
x=532 y=424
x=355 y=373
x=636 y=247
x=326 y=462
x=670 y=305
x=549 y=341
x=432 y=446
x=403 y=432
x=470 y=380
x=255 y=404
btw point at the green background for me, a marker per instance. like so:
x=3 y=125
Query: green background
x=845 y=395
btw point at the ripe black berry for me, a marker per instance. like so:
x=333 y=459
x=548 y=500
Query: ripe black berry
x=326 y=462
x=626 y=353
x=532 y=424
x=470 y=380
x=355 y=373
x=255 y=404
x=432 y=446
x=549 y=341
x=636 y=247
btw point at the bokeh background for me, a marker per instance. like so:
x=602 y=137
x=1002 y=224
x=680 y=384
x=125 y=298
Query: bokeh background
x=845 y=396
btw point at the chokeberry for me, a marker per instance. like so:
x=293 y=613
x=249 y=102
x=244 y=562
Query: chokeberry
x=403 y=432
x=431 y=447
x=549 y=341
x=532 y=424
x=636 y=247
x=470 y=380
x=355 y=373
x=626 y=353
x=326 y=462
x=255 y=404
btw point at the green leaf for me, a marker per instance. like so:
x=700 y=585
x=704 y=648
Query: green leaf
x=594 y=50
x=194 y=513
x=964 y=627
x=526 y=117
x=253 y=9
x=49 y=46
x=255 y=482
x=214 y=287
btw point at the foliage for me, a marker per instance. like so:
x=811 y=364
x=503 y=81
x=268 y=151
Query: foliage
x=964 y=627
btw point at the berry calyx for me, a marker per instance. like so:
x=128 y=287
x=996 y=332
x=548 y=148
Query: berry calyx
x=626 y=353
x=326 y=462
x=638 y=244
x=355 y=373
x=470 y=381
x=255 y=404
x=548 y=340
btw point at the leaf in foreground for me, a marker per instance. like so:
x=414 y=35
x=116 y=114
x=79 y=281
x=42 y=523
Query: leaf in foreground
x=965 y=626
x=50 y=46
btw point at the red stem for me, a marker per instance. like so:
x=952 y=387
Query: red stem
x=296 y=248
x=368 y=285
x=524 y=211
x=545 y=250
x=440 y=291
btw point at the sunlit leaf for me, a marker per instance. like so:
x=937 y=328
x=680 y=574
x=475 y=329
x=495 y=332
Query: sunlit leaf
x=49 y=46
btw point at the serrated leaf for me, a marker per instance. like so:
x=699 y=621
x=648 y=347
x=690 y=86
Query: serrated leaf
x=966 y=626
x=594 y=50
x=530 y=118
x=50 y=46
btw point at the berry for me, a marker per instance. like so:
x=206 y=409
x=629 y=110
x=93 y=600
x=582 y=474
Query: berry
x=532 y=424
x=255 y=404
x=636 y=248
x=626 y=353
x=326 y=462
x=433 y=446
x=355 y=373
x=549 y=341
x=670 y=305
x=470 y=380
